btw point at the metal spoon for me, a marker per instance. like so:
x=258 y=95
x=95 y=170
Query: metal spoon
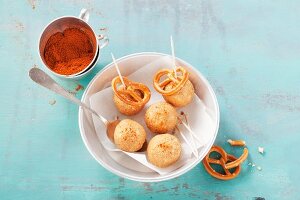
x=43 y=79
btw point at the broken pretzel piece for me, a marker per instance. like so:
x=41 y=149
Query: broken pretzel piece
x=236 y=142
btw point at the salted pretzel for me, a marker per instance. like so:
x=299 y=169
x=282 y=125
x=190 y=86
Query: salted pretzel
x=227 y=162
x=130 y=94
x=178 y=82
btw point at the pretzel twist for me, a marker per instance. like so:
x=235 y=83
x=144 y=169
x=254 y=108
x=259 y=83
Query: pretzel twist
x=227 y=161
x=238 y=161
x=130 y=94
x=178 y=83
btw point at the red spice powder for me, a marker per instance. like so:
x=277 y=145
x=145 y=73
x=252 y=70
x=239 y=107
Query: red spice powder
x=69 y=52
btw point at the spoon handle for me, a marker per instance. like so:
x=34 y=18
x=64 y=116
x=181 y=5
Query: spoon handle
x=43 y=79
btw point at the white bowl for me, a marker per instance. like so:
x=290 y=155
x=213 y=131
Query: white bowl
x=107 y=159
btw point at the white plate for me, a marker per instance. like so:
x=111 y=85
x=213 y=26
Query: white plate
x=139 y=173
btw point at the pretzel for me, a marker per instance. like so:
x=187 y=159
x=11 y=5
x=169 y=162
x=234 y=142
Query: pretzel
x=222 y=161
x=130 y=94
x=227 y=161
x=178 y=83
x=236 y=142
x=238 y=161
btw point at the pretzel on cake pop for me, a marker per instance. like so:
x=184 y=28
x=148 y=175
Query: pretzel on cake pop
x=135 y=94
x=178 y=80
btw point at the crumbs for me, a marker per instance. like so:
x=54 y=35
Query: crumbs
x=32 y=3
x=103 y=29
x=261 y=150
x=79 y=87
x=52 y=102
x=20 y=26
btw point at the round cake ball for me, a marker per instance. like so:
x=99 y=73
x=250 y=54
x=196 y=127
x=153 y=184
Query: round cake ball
x=129 y=135
x=183 y=97
x=161 y=117
x=125 y=108
x=163 y=150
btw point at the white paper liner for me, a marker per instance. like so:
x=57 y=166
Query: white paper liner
x=197 y=114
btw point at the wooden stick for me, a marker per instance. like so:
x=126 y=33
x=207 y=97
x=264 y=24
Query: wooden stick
x=173 y=56
x=118 y=70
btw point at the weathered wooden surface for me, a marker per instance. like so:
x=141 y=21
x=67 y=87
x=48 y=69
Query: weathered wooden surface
x=248 y=50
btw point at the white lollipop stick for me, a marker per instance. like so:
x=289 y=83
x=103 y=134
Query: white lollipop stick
x=118 y=70
x=173 y=56
x=193 y=142
x=191 y=131
x=193 y=148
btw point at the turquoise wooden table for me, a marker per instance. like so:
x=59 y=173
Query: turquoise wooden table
x=248 y=50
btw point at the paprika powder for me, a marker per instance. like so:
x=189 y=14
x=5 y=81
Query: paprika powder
x=68 y=52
